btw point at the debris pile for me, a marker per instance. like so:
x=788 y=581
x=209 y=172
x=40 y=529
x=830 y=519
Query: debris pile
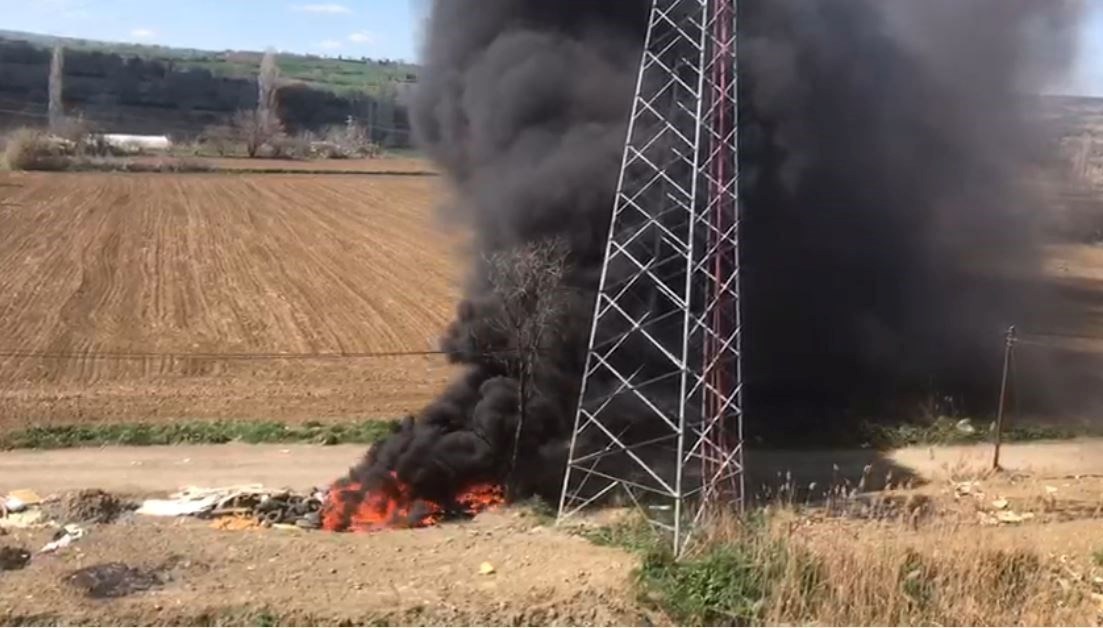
x=253 y=503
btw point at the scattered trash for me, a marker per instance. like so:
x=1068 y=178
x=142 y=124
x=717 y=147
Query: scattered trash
x=965 y=426
x=1004 y=517
x=1051 y=489
x=185 y=503
x=112 y=580
x=13 y=558
x=65 y=537
x=268 y=507
x=486 y=569
x=236 y=524
x=1008 y=516
x=18 y=501
x=1000 y=504
x=965 y=489
x=23 y=520
x=288 y=526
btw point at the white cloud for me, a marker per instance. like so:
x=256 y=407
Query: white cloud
x=331 y=8
x=363 y=37
x=329 y=44
x=144 y=34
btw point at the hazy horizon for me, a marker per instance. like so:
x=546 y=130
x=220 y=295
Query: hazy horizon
x=378 y=29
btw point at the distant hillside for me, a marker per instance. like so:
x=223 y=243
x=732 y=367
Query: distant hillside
x=153 y=89
x=338 y=75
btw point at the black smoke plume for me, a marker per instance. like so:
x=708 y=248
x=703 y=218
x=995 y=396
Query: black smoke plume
x=882 y=146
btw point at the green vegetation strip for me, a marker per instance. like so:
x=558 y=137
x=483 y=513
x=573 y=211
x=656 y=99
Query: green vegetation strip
x=195 y=433
x=947 y=431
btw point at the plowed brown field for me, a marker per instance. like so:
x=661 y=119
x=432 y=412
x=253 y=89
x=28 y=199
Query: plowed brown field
x=120 y=296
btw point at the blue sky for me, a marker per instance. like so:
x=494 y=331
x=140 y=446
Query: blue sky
x=1087 y=77
x=372 y=28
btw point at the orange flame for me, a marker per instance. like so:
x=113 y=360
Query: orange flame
x=348 y=506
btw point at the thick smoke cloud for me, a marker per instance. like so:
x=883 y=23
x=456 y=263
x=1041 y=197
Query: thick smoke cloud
x=882 y=142
x=886 y=146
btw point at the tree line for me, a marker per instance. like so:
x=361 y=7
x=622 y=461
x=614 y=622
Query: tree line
x=129 y=94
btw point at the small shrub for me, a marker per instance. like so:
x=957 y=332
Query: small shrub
x=347 y=142
x=727 y=586
x=31 y=149
x=220 y=139
x=289 y=147
x=1098 y=556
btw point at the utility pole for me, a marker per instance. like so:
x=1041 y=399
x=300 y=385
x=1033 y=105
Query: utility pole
x=56 y=108
x=1008 y=351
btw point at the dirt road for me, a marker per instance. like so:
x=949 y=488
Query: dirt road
x=141 y=470
x=538 y=574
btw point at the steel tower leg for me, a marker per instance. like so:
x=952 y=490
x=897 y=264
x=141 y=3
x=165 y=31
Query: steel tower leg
x=660 y=419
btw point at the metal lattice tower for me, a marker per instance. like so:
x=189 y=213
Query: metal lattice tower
x=660 y=415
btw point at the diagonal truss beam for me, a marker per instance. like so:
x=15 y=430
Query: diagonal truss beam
x=660 y=416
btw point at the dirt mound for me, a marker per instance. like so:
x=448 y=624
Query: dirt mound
x=89 y=506
x=111 y=580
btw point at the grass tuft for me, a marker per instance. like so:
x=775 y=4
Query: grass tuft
x=196 y=433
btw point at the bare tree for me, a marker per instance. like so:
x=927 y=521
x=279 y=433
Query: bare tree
x=252 y=130
x=528 y=318
x=56 y=109
x=267 y=87
x=259 y=127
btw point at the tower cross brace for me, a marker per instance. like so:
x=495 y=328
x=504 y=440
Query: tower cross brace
x=660 y=416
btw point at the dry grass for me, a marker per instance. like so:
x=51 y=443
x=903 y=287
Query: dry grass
x=945 y=579
x=788 y=565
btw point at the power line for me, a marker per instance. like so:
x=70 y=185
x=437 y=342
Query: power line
x=148 y=355
x=27 y=354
